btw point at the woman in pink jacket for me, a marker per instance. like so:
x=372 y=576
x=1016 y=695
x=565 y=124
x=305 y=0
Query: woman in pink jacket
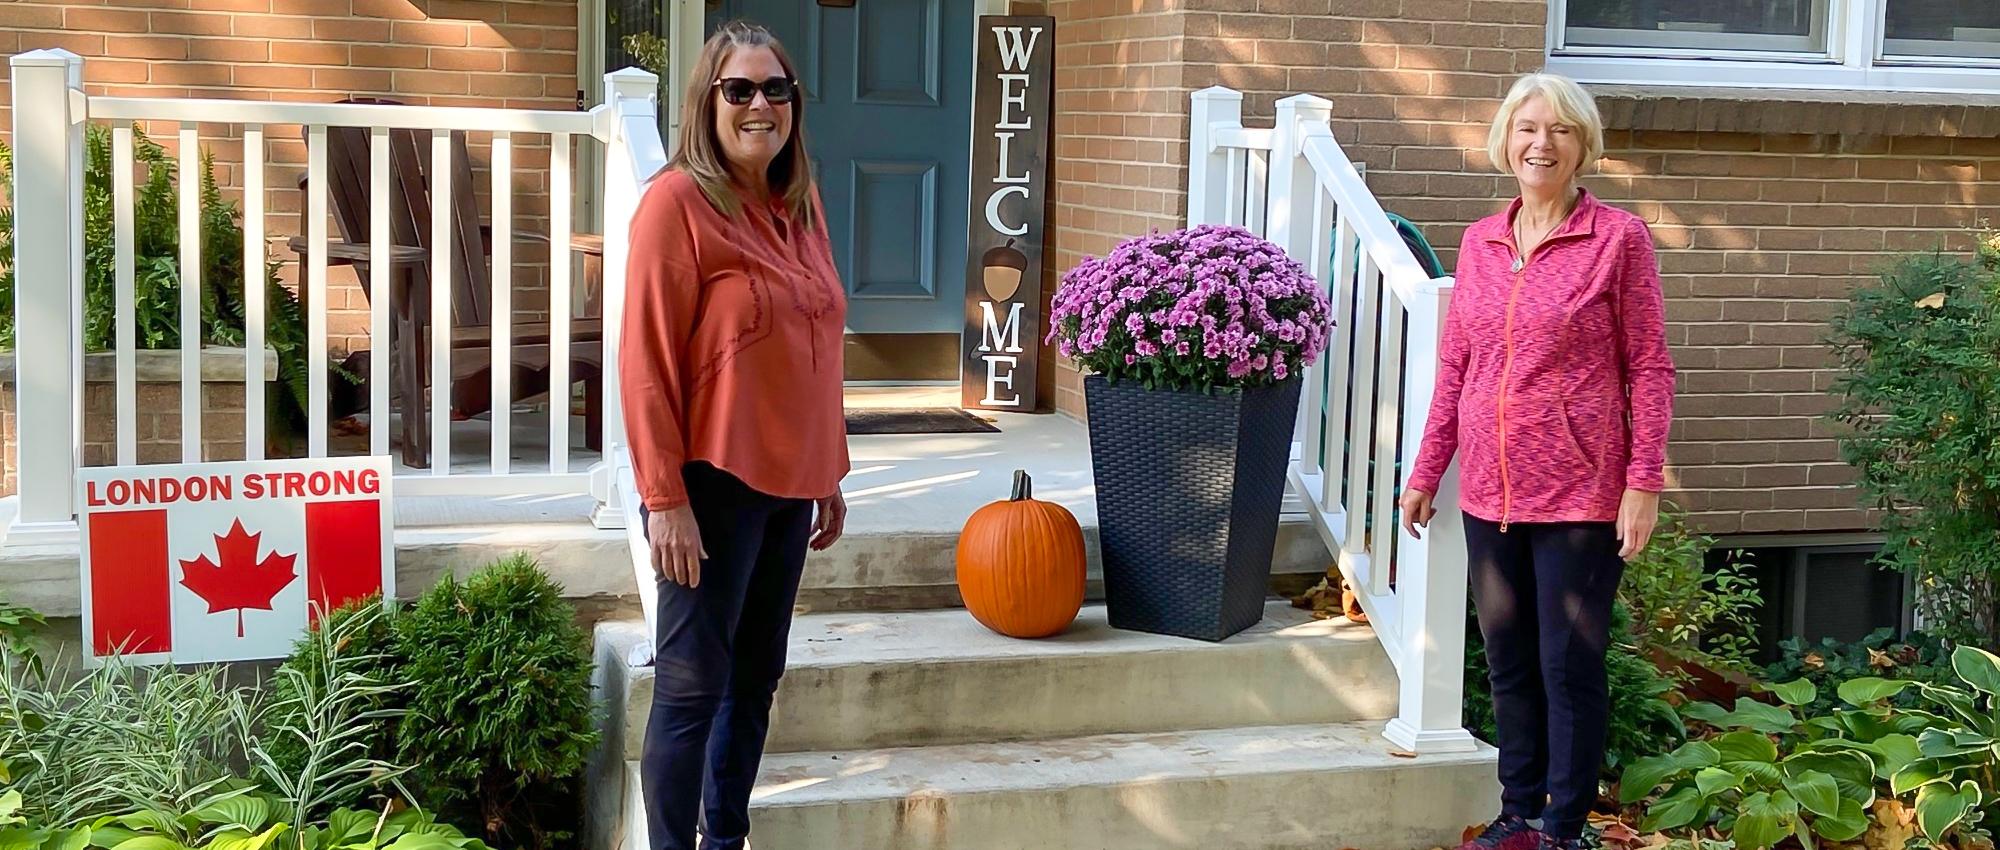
x=1555 y=389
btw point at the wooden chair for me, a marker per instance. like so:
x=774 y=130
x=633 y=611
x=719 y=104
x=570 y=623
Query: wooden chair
x=410 y=209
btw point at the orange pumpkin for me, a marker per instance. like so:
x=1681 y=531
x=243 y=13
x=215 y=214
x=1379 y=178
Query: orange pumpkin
x=1021 y=565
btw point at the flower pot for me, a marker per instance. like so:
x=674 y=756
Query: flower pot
x=1188 y=491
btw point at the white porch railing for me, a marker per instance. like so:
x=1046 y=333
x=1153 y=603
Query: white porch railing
x=50 y=112
x=1362 y=411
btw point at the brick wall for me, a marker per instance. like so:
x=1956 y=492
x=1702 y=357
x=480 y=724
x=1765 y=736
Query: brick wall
x=1761 y=236
x=1121 y=136
x=157 y=425
x=496 y=53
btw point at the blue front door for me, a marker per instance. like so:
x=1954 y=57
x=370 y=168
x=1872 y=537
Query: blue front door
x=888 y=122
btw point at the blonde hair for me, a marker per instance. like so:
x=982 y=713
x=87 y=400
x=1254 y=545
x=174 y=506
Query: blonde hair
x=699 y=153
x=1572 y=105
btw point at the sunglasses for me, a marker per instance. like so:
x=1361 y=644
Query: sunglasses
x=740 y=90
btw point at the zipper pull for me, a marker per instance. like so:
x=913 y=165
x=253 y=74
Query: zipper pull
x=1503 y=526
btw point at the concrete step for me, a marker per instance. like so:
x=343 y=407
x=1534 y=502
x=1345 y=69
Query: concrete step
x=1263 y=788
x=867 y=680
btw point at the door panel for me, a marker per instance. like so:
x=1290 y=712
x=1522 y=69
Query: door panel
x=895 y=207
x=888 y=115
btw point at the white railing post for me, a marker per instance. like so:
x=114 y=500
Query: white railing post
x=1431 y=573
x=1292 y=185
x=1290 y=216
x=1208 y=165
x=633 y=154
x=48 y=207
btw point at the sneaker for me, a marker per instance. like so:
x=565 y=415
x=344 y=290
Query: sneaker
x=1544 y=841
x=1510 y=832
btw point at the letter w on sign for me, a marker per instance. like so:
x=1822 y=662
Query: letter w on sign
x=237 y=575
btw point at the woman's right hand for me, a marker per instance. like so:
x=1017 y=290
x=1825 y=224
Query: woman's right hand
x=1417 y=511
x=676 y=540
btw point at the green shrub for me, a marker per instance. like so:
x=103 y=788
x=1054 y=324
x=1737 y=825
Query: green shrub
x=1919 y=395
x=1682 y=611
x=156 y=268
x=496 y=722
x=501 y=721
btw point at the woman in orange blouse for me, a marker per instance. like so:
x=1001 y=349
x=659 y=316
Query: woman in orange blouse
x=731 y=384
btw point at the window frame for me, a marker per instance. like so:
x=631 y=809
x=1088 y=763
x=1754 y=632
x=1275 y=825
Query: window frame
x=1856 y=57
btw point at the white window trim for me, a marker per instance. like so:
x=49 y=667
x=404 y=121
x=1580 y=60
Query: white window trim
x=1853 y=61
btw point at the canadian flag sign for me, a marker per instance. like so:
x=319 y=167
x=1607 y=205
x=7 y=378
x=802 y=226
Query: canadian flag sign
x=209 y=562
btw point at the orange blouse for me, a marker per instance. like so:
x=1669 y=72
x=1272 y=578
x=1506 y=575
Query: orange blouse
x=731 y=347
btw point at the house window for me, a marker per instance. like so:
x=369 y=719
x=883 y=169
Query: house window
x=1819 y=591
x=1886 y=45
x=1797 y=27
x=1941 y=30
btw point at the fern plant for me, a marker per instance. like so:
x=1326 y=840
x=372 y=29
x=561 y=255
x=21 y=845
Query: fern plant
x=156 y=268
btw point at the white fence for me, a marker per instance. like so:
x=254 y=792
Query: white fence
x=51 y=110
x=1364 y=403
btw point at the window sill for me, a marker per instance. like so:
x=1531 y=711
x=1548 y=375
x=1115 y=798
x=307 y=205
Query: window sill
x=1773 y=111
x=1788 y=98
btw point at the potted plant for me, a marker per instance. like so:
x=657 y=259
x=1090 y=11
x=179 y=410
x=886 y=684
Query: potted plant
x=1193 y=343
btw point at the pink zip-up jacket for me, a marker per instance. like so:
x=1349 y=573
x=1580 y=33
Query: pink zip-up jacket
x=1554 y=380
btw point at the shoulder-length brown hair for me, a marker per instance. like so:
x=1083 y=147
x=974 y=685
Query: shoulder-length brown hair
x=699 y=154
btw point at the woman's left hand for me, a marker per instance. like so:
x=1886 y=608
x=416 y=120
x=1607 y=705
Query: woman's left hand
x=1638 y=512
x=829 y=517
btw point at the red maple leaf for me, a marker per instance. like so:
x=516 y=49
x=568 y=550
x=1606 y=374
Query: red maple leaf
x=241 y=580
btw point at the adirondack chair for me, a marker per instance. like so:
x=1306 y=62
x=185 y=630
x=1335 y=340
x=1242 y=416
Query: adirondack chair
x=410 y=208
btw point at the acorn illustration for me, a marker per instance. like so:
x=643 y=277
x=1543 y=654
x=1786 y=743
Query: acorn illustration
x=1004 y=267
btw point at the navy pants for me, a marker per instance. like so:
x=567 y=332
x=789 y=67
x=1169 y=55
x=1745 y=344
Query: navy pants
x=718 y=652
x=1543 y=592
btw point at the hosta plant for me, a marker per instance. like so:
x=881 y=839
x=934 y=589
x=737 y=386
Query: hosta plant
x=239 y=819
x=1766 y=774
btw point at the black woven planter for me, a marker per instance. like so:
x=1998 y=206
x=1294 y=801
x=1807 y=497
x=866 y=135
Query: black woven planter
x=1188 y=490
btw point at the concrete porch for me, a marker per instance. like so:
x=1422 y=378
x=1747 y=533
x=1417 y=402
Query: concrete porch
x=908 y=496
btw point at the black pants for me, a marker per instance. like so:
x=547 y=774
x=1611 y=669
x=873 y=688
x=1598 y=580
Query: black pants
x=718 y=652
x=1543 y=592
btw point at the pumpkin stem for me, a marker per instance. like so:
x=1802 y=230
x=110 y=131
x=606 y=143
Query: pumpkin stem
x=1023 y=486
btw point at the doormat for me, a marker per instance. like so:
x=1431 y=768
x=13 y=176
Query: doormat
x=918 y=420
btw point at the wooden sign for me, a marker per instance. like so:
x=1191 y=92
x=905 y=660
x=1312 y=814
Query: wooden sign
x=211 y=562
x=1013 y=105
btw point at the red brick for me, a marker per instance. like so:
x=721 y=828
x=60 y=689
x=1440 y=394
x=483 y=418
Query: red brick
x=541 y=13
x=268 y=26
x=146 y=47
x=389 y=56
x=230 y=49
x=114 y=71
x=351 y=80
x=191 y=23
x=397 y=9
x=448 y=59
x=435 y=82
x=274 y=77
x=541 y=63
x=433 y=33
x=17 y=16
x=191 y=74
x=249 y=6
x=79 y=19
x=301 y=7
x=309 y=53
x=354 y=30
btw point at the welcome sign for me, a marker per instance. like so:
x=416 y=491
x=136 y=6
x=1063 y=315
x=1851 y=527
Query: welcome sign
x=211 y=562
x=1012 y=107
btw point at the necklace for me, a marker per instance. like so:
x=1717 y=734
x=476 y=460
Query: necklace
x=1521 y=249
